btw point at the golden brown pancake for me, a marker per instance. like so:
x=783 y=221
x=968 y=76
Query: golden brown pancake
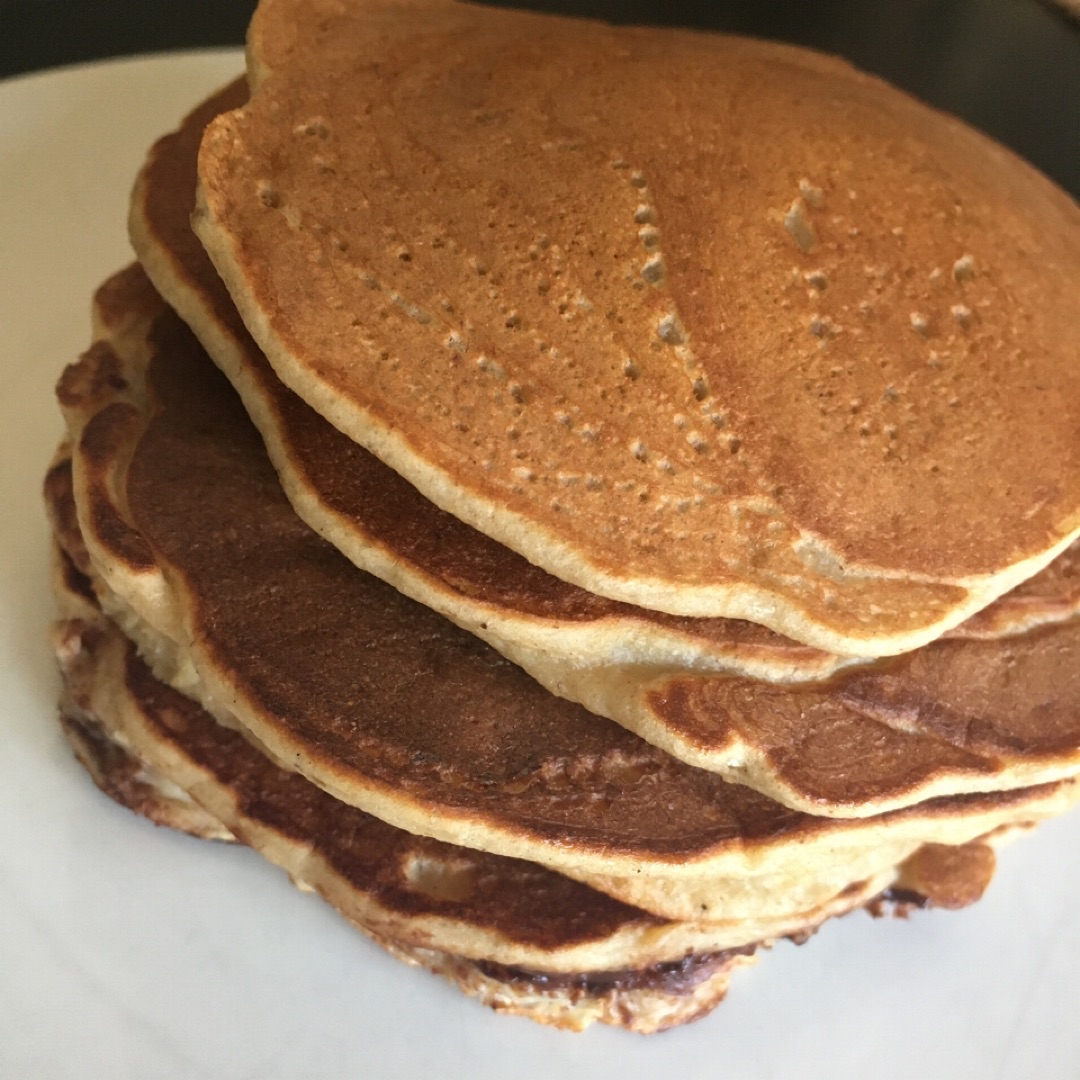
x=388 y=707
x=521 y=927
x=821 y=379
x=621 y=662
x=415 y=897
x=508 y=932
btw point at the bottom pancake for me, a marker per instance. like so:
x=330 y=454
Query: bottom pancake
x=520 y=938
x=643 y=1000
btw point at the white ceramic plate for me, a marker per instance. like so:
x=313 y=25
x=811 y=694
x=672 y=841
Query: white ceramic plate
x=130 y=952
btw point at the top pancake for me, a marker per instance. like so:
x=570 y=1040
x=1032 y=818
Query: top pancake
x=587 y=308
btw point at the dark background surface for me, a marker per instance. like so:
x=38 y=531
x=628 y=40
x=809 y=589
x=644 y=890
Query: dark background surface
x=1011 y=67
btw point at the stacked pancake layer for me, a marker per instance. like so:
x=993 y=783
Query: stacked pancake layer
x=271 y=635
x=655 y=674
x=482 y=921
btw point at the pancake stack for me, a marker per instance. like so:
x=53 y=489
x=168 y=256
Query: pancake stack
x=590 y=502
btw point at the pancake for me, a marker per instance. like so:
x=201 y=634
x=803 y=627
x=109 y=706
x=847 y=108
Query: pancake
x=518 y=929
x=590 y=310
x=622 y=662
x=364 y=870
x=390 y=708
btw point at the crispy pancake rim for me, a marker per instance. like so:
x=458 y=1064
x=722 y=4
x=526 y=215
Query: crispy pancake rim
x=642 y=1000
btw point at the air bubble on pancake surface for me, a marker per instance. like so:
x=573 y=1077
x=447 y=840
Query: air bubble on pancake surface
x=820 y=558
x=649 y=236
x=821 y=326
x=414 y=311
x=799 y=225
x=962 y=314
x=315 y=126
x=490 y=367
x=653 y=269
x=670 y=329
x=268 y=194
x=964 y=268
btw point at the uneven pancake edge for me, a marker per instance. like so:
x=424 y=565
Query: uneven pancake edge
x=635 y=999
x=653 y=996
x=602 y=639
x=547 y=550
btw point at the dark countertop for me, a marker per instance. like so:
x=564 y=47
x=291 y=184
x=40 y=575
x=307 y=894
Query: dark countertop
x=1010 y=67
